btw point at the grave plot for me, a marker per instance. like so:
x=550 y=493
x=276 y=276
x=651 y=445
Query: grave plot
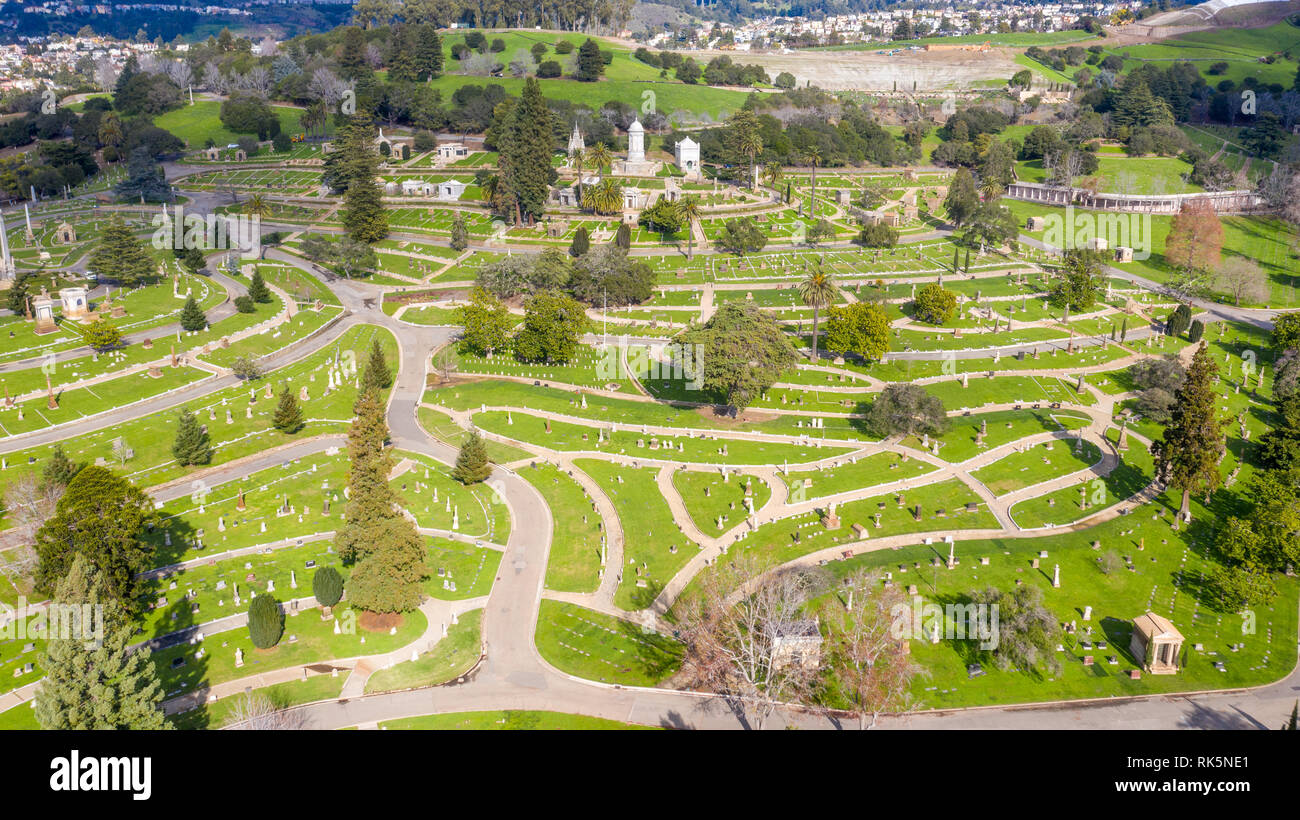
x=22 y=644
x=1011 y=389
x=1035 y=464
x=654 y=547
x=591 y=368
x=1069 y=504
x=712 y=498
x=308 y=638
x=239 y=418
x=576 y=529
x=854 y=473
x=427 y=491
x=571 y=437
x=1109 y=574
x=968 y=436
x=595 y=646
x=455 y=654
x=458 y=571
x=441 y=427
x=270 y=339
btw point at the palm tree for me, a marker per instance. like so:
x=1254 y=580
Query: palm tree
x=814 y=158
x=990 y=190
x=605 y=197
x=600 y=157
x=772 y=174
x=576 y=156
x=257 y=205
x=110 y=132
x=689 y=208
x=817 y=290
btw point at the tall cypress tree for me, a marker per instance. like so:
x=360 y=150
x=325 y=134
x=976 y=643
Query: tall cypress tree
x=101 y=685
x=377 y=376
x=581 y=242
x=623 y=236
x=288 y=413
x=191 y=445
x=472 y=462
x=192 y=317
x=528 y=143
x=370 y=499
x=1188 y=454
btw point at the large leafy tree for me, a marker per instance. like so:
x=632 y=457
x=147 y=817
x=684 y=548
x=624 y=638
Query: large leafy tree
x=101 y=516
x=906 y=410
x=487 y=323
x=1077 y=285
x=744 y=140
x=935 y=304
x=962 y=200
x=743 y=351
x=553 y=323
x=1187 y=456
x=858 y=328
x=103 y=684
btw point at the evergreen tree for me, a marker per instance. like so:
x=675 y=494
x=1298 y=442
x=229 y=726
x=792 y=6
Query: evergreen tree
x=265 y=621
x=327 y=586
x=192 y=316
x=377 y=376
x=428 y=52
x=1179 y=320
x=472 y=462
x=191 y=445
x=590 y=64
x=370 y=499
x=459 y=233
x=102 y=516
x=581 y=242
x=100 y=685
x=623 y=236
x=1188 y=454
x=288 y=414
x=257 y=289
x=528 y=142
x=60 y=470
x=364 y=215
x=388 y=578
x=120 y=257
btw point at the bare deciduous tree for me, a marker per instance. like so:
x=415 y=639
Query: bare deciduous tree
x=256 y=711
x=872 y=663
x=179 y=72
x=326 y=86
x=1242 y=278
x=732 y=639
x=30 y=503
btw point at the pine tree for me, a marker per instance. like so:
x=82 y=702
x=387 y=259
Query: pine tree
x=257 y=289
x=60 y=470
x=104 y=685
x=288 y=414
x=581 y=242
x=428 y=52
x=191 y=445
x=364 y=215
x=120 y=257
x=472 y=462
x=1188 y=454
x=192 y=317
x=590 y=64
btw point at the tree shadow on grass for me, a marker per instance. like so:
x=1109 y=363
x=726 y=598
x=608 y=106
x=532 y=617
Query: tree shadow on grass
x=657 y=656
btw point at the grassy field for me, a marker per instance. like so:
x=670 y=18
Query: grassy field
x=453 y=655
x=196 y=124
x=574 y=563
x=586 y=643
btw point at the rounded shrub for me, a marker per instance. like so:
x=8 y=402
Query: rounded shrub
x=327 y=586
x=265 y=622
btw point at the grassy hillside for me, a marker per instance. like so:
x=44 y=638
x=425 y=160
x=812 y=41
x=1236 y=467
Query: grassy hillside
x=196 y=123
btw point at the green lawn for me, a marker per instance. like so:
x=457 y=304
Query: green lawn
x=508 y=719
x=590 y=645
x=574 y=563
x=197 y=123
x=453 y=655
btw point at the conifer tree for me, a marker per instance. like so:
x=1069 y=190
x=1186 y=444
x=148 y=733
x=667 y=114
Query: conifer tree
x=192 y=317
x=376 y=376
x=1188 y=454
x=459 y=233
x=472 y=462
x=288 y=413
x=528 y=143
x=257 y=289
x=120 y=257
x=265 y=621
x=623 y=237
x=104 y=684
x=581 y=242
x=191 y=445
x=60 y=469
x=370 y=499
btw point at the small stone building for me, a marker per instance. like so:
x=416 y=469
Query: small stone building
x=798 y=642
x=65 y=234
x=75 y=303
x=1156 y=644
